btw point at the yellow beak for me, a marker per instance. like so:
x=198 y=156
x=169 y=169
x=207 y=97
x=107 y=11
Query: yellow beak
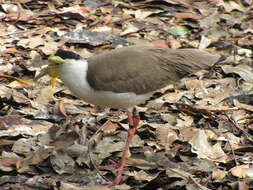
x=53 y=81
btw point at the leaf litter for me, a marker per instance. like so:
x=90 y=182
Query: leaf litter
x=193 y=135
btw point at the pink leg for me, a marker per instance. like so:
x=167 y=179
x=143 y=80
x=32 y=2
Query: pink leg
x=133 y=120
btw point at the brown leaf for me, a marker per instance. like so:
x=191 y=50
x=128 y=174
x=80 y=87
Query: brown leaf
x=65 y=140
x=6 y=92
x=35 y=158
x=45 y=95
x=242 y=171
x=76 y=11
x=62 y=162
x=143 y=176
x=242 y=106
x=61 y=108
x=173 y=2
x=232 y=5
x=9 y=121
x=69 y=186
x=218 y=174
x=187 y=15
x=243 y=186
x=109 y=127
x=8 y=161
x=166 y=135
x=201 y=146
x=245 y=71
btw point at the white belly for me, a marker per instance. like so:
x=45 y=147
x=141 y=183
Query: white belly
x=110 y=99
x=74 y=77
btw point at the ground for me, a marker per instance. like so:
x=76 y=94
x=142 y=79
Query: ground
x=196 y=134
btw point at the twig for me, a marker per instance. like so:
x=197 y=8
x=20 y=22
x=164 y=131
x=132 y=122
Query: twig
x=92 y=142
x=236 y=125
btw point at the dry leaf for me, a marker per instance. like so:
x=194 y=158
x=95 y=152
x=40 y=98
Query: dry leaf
x=242 y=171
x=218 y=174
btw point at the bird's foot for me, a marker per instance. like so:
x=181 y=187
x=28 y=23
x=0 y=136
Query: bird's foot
x=119 y=169
x=119 y=176
x=133 y=119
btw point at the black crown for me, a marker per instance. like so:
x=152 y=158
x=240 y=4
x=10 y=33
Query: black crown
x=67 y=54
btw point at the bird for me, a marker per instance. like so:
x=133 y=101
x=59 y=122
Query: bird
x=125 y=77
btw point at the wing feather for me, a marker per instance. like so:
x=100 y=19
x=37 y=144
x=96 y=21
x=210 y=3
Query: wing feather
x=144 y=69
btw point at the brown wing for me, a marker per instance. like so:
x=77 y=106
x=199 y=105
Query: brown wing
x=144 y=69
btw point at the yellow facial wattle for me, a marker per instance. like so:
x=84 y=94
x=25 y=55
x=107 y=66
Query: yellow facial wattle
x=53 y=68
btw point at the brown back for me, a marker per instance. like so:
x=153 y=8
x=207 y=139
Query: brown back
x=143 y=69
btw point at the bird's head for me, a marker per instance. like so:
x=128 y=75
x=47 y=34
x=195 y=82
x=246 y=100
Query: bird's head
x=53 y=68
x=55 y=62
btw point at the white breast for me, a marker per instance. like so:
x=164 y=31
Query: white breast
x=73 y=74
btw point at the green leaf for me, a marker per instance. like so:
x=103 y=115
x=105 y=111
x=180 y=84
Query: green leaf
x=178 y=30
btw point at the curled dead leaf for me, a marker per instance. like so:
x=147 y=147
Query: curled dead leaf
x=242 y=171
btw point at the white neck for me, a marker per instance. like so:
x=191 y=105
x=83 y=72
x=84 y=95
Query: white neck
x=73 y=74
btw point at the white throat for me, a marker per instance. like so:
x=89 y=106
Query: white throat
x=73 y=74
